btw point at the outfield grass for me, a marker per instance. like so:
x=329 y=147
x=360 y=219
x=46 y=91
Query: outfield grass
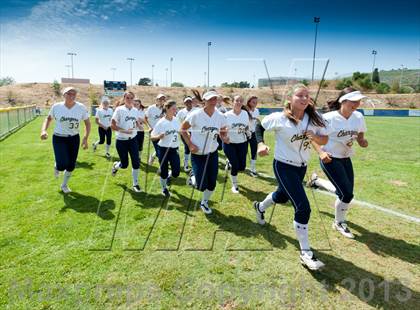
x=104 y=246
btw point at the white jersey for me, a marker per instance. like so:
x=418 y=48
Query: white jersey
x=153 y=114
x=222 y=109
x=183 y=113
x=126 y=119
x=238 y=126
x=67 y=121
x=171 y=129
x=205 y=129
x=254 y=115
x=292 y=146
x=104 y=116
x=140 y=117
x=343 y=132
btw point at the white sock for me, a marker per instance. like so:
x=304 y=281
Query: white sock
x=107 y=147
x=186 y=159
x=135 y=173
x=207 y=194
x=267 y=202
x=302 y=235
x=163 y=183
x=117 y=165
x=253 y=163
x=193 y=180
x=234 y=179
x=96 y=143
x=340 y=210
x=67 y=176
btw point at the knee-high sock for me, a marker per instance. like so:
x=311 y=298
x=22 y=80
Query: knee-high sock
x=135 y=173
x=163 y=182
x=67 y=176
x=234 y=179
x=267 y=202
x=253 y=163
x=107 y=147
x=302 y=235
x=340 y=210
x=207 y=194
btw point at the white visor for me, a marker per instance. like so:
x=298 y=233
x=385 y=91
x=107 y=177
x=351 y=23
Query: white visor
x=353 y=96
x=187 y=99
x=210 y=94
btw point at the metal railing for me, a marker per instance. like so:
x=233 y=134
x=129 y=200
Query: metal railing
x=12 y=119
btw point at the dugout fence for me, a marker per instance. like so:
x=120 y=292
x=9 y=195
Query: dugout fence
x=13 y=118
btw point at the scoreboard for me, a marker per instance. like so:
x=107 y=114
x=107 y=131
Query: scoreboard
x=115 y=88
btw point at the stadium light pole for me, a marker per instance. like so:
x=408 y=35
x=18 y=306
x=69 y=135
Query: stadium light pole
x=401 y=76
x=131 y=69
x=71 y=54
x=208 y=63
x=113 y=73
x=205 y=78
x=68 y=70
x=170 y=65
x=166 y=70
x=153 y=79
x=373 y=66
x=316 y=21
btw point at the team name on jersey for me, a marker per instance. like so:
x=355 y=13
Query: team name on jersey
x=210 y=129
x=305 y=144
x=343 y=133
x=241 y=128
x=170 y=132
x=70 y=119
x=130 y=118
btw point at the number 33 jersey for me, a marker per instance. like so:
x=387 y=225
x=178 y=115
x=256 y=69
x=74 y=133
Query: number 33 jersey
x=68 y=120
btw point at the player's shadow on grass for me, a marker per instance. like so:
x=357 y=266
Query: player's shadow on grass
x=88 y=204
x=383 y=245
x=252 y=195
x=244 y=227
x=369 y=287
x=85 y=165
x=157 y=200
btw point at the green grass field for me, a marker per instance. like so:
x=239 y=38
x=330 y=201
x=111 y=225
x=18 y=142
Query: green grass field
x=104 y=246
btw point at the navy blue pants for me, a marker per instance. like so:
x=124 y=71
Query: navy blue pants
x=186 y=148
x=66 y=150
x=169 y=155
x=125 y=147
x=253 y=145
x=290 y=187
x=140 y=139
x=156 y=146
x=205 y=176
x=236 y=153
x=105 y=133
x=340 y=172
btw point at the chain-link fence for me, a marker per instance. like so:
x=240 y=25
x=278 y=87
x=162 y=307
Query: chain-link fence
x=13 y=118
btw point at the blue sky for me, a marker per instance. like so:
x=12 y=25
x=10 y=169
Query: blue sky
x=36 y=36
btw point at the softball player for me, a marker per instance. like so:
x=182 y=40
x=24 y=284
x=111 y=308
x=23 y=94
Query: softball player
x=125 y=122
x=294 y=129
x=181 y=116
x=238 y=122
x=346 y=125
x=252 y=141
x=153 y=114
x=166 y=133
x=103 y=120
x=205 y=125
x=68 y=115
